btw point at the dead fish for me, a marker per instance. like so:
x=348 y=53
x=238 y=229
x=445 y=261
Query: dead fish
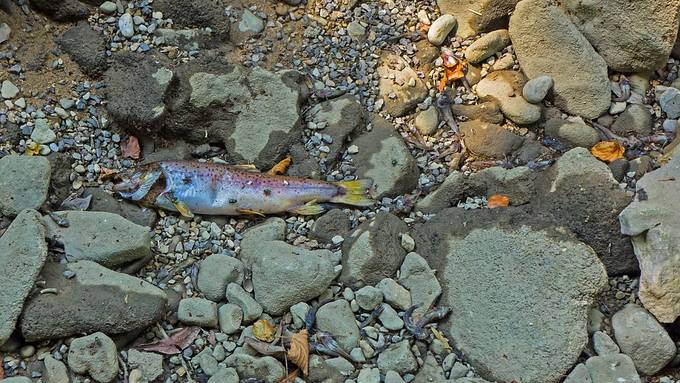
x=418 y=328
x=190 y=187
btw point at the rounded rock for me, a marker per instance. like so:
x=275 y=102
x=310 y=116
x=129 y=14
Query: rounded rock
x=441 y=28
x=487 y=45
x=537 y=88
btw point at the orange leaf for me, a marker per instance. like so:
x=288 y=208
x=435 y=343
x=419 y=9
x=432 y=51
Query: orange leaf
x=608 y=151
x=264 y=331
x=498 y=200
x=32 y=149
x=281 y=167
x=130 y=148
x=442 y=83
x=299 y=351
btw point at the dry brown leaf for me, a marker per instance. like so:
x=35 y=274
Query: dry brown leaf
x=264 y=331
x=281 y=167
x=291 y=377
x=2 y=372
x=453 y=72
x=608 y=151
x=497 y=200
x=175 y=343
x=130 y=148
x=299 y=351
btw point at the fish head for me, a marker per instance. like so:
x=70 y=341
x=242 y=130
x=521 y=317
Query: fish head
x=134 y=184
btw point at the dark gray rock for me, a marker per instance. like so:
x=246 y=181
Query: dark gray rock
x=334 y=222
x=579 y=192
x=196 y=14
x=86 y=47
x=636 y=119
x=62 y=10
x=489 y=15
x=95 y=299
x=60 y=169
x=384 y=157
x=138 y=85
x=373 y=251
x=486 y=111
x=23 y=251
x=337 y=319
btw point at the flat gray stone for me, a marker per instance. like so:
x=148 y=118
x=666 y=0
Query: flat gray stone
x=395 y=294
x=369 y=297
x=284 y=275
x=55 y=370
x=230 y=317
x=537 y=88
x=250 y=307
x=197 y=312
x=265 y=368
x=273 y=229
x=642 y=338
x=42 y=133
x=420 y=280
x=23 y=251
x=94 y=355
x=604 y=345
x=94 y=299
x=224 y=375
x=579 y=374
x=8 y=89
x=149 y=363
x=384 y=158
x=216 y=272
x=487 y=45
x=617 y=368
x=24 y=181
x=105 y=238
x=397 y=357
x=373 y=251
x=399 y=86
x=337 y=319
x=654 y=226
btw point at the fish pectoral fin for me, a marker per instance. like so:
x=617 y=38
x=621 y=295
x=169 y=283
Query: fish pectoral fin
x=310 y=208
x=250 y=212
x=182 y=208
x=247 y=167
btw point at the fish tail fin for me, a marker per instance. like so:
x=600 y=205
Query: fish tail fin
x=354 y=193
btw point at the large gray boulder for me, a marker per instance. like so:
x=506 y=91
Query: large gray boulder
x=24 y=182
x=93 y=299
x=631 y=36
x=384 y=158
x=373 y=251
x=284 y=275
x=541 y=32
x=653 y=222
x=23 y=251
x=532 y=328
x=102 y=237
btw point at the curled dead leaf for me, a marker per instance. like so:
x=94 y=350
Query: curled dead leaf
x=498 y=200
x=608 y=151
x=130 y=148
x=299 y=351
x=175 y=343
x=264 y=331
x=265 y=348
x=291 y=377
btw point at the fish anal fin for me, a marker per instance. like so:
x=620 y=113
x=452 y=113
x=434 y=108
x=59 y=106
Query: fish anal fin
x=355 y=193
x=310 y=208
x=182 y=208
x=250 y=212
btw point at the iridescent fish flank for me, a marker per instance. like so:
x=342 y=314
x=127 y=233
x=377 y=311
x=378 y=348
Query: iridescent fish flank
x=190 y=187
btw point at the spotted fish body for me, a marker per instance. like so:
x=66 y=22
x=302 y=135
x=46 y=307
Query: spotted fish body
x=217 y=189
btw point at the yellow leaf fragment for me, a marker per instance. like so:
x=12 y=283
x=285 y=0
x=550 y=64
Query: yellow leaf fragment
x=299 y=351
x=32 y=149
x=608 y=151
x=442 y=338
x=264 y=331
